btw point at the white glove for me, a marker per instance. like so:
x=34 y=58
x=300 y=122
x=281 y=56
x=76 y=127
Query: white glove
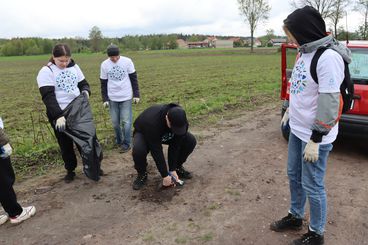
x=106 y=104
x=86 y=93
x=311 y=151
x=6 y=151
x=285 y=118
x=60 y=124
x=136 y=100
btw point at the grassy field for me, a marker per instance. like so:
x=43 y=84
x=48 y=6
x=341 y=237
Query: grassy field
x=208 y=83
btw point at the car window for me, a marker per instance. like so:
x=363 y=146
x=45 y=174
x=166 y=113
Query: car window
x=359 y=66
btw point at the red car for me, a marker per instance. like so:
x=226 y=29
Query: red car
x=355 y=121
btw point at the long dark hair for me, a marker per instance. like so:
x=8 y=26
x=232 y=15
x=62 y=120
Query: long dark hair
x=60 y=50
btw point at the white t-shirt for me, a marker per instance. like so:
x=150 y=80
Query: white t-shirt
x=119 y=87
x=304 y=92
x=64 y=80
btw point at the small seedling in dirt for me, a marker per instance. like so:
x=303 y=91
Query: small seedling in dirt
x=148 y=237
x=214 y=206
x=206 y=237
x=181 y=240
x=232 y=192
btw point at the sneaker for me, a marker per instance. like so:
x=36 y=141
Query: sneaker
x=183 y=174
x=69 y=177
x=289 y=222
x=27 y=213
x=140 y=181
x=310 y=238
x=125 y=148
x=3 y=218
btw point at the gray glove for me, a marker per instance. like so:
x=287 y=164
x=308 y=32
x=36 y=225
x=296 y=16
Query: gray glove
x=60 y=124
x=311 y=151
x=6 y=151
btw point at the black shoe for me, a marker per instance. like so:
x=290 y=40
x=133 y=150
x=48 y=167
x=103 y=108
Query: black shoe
x=287 y=223
x=69 y=177
x=309 y=238
x=140 y=181
x=183 y=174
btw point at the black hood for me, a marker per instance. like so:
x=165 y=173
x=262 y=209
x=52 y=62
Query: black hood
x=71 y=63
x=306 y=25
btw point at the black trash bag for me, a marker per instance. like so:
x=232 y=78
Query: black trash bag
x=81 y=129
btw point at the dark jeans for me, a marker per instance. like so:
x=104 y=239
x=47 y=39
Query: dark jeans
x=67 y=150
x=178 y=151
x=8 y=199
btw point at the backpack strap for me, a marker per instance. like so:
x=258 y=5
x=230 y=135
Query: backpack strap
x=313 y=66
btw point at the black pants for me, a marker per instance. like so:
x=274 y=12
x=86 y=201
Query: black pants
x=178 y=151
x=8 y=199
x=66 y=145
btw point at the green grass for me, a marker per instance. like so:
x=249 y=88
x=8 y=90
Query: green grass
x=208 y=83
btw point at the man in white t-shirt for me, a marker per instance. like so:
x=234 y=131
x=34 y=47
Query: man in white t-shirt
x=119 y=89
x=314 y=111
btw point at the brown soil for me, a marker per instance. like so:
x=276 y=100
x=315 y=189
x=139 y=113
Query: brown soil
x=239 y=186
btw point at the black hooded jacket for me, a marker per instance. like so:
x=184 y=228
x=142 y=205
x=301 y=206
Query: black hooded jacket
x=306 y=25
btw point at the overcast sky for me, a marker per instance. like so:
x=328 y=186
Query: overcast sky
x=116 y=18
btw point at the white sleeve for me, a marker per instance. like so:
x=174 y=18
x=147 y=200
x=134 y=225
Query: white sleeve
x=79 y=73
x=103 y=73
x=45 y=77
x=130 y=67
x=330 y=72
x=1 y=123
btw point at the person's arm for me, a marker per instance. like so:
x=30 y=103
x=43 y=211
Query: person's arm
x=155 y=146
x=104 y=90
x=49 y=99
x=134 y=81
x=84 y=86
x=104 y=80
x=46 y=84
x=329 y=107
x=330 y=72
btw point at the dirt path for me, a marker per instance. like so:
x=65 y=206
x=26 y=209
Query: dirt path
x=239 y=187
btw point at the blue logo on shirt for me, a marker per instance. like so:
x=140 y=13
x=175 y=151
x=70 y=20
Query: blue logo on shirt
x=298 y=78
x=116 y=73
x=67 y=81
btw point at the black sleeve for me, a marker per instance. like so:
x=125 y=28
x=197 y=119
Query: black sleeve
x=83 y=85
x=49 y=99
x=134 y=81
x=155 y=146
x=104 y=90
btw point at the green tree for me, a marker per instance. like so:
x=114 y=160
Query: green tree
x=362 y=7
x=254 y=11
x=95 y=37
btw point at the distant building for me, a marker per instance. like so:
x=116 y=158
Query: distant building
x=201 y=44
x=224 y=43
x=256 y=42
x=276 y=41
x=181 y=43
x=211 y=41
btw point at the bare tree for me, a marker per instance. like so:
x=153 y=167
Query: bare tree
x=323 y=6
x=337 y=13
x=362 y=7
x=254 y=12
